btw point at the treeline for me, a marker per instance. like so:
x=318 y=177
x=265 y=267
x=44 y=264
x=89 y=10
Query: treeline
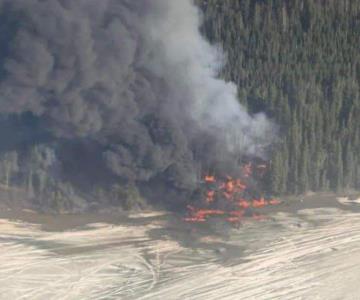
x=299 y=61
x=33 y=177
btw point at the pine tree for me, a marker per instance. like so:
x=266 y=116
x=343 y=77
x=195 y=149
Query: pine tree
x=299 y=62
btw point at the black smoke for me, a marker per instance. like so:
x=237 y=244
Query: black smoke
x=122 y=92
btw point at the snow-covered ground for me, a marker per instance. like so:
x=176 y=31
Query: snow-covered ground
x=312 y=254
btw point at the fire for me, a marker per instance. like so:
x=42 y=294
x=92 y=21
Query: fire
x=210 y=196
x=201 y=215
x=259 y=203
x=234 y=194
x=209 y=179
x=231 y=188
x=244 y=204
x=274 y=202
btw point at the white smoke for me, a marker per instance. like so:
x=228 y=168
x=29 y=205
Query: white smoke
x=193 y=66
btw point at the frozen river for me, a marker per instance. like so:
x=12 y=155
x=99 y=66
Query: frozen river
x=311 y=254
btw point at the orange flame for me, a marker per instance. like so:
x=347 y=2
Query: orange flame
x=210 y=196
x=237 y=213
x=243 y=203
x=274 y=202
x=210 y=179
x=233 y=191
x=259 y=203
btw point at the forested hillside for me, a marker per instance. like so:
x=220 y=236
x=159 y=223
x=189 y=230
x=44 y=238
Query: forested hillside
x=298 y=60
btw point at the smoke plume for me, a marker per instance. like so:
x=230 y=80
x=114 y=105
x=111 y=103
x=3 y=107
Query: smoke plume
x=120 y=90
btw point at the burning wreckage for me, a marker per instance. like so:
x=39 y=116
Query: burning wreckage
x=231 y=199
x=99 y=107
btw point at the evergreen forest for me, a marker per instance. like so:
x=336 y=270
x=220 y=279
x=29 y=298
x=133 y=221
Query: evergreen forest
x=299 y=61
